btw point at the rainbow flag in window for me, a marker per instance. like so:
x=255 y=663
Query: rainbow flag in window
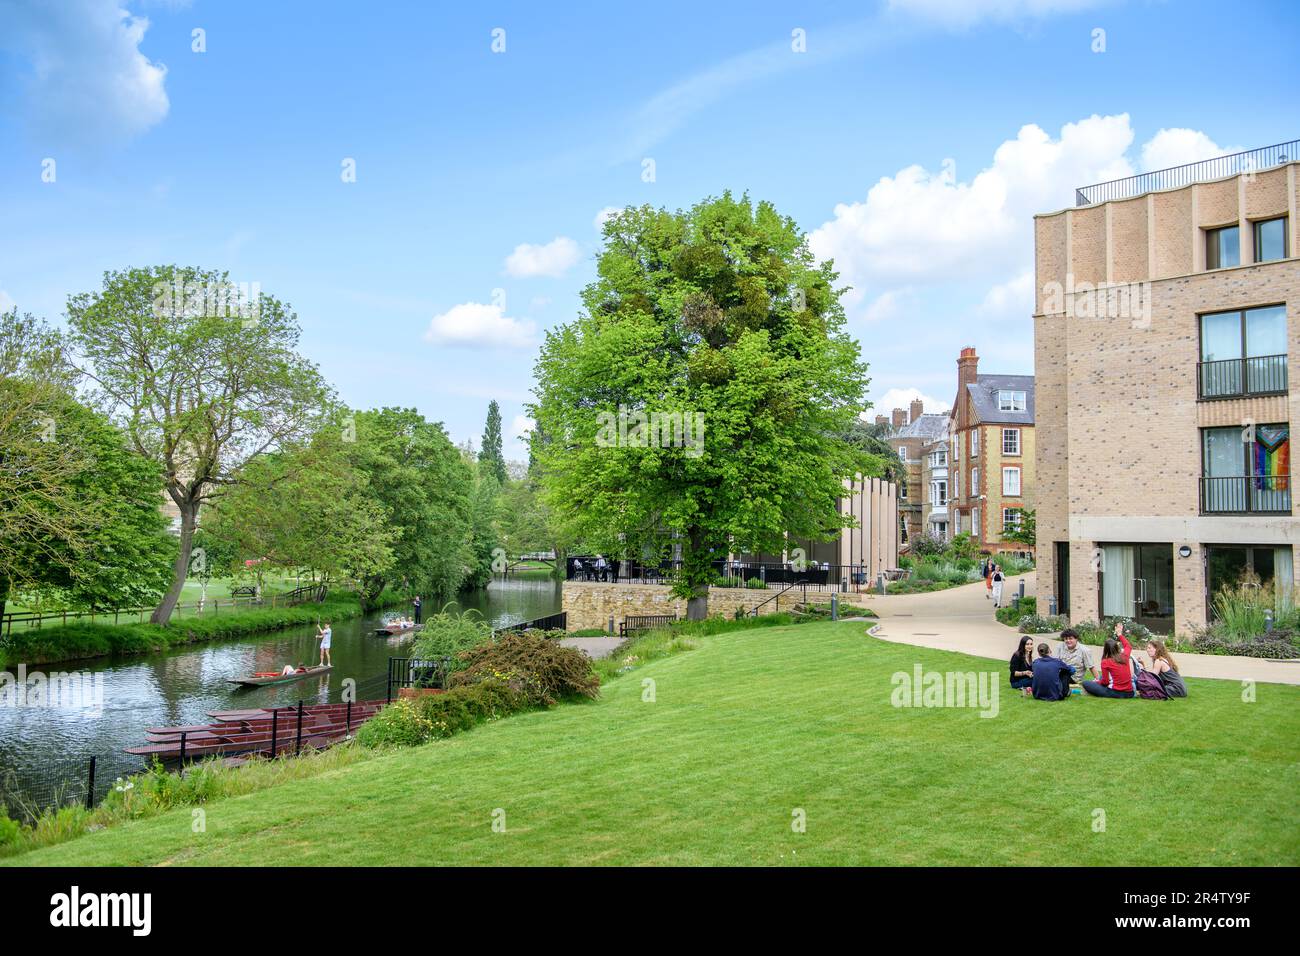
x=1272 y=457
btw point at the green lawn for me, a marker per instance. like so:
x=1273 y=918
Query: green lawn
x=751 y=726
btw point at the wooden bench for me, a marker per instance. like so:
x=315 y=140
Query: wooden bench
x=635 y=623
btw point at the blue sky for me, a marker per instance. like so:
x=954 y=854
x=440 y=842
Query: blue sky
x=912 y=139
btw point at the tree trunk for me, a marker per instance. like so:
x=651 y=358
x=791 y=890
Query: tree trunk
x=697 y=568
x=189 y=514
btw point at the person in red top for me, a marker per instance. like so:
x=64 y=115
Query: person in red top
x=1116 y=671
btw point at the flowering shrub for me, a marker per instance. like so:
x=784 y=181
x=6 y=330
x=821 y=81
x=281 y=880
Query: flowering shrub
x=542 y=671
x=400 y=724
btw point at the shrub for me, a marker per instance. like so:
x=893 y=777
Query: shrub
x=543 y=671
x=927 y=545
x=462 y=707
x=446 y=634
x=400 y=724
x=1039 y=624
x=589 y=632
x=756 y=584
x=1090 y=632
x=1274 y=646
x=730 y=582
x=10 y=830
x=1013 y=612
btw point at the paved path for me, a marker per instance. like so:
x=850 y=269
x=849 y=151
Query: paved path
x=961 y=619
x=596 y=647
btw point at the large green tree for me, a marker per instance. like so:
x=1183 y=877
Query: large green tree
x=201 y=382
x=79 y=511
x=719 y=314
x=425 y=486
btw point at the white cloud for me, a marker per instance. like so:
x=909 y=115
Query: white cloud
x=964 y=13
x=520 y=426
x=886 y=306
x=902 y=398
x=1013 y=298
x=1179 y=146
x=605 y=214
x=88 y=79
x=479 y=326
x=552 y=259
x=6 y=301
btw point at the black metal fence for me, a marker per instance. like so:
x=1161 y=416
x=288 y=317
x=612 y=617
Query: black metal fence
x=417 y=672
x=551 y=622
x=1250 y=160
x=1229 y=378
x=1258 y=494
x=61 y=782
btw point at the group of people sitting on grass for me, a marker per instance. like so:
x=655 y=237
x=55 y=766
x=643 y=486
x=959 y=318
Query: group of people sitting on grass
x=1038 y=674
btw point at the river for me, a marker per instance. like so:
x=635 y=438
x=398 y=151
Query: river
x=44 y=751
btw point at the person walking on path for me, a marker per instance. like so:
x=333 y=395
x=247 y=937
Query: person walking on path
x=996 y=580
x=325 y=634
x=419 y=607
x=987 y=571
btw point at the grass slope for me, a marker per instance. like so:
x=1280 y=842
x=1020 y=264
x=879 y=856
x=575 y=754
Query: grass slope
x=755 y=724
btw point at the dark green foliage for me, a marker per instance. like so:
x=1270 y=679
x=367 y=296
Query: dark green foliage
x=543 y=671
x=490 y=455
x=408 y=723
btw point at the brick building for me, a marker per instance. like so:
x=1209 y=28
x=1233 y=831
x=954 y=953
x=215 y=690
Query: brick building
x=1166 y=321
x=912 y=431
x=991 y=465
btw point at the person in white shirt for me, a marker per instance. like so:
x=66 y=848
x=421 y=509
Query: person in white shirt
x=325 y=634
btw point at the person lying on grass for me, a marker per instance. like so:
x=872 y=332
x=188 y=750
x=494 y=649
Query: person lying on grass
x=1051 y=676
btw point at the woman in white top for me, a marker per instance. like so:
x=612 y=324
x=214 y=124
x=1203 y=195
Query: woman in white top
x=997 y=585
x=325 y=634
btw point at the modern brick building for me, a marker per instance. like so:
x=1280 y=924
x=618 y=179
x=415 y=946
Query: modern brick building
x=1167 y=336
x=991 y=465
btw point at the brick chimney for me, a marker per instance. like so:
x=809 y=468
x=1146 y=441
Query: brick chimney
x=967 y=372
x=882 y=419
x=900 y=418
x=918 y=408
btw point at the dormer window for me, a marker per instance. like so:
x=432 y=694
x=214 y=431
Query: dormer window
x=1010 y=400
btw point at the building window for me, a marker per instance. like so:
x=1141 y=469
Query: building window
x=939 y=493
x=974 y=482
x=1270 y=239
x=956 y=449
x=1011 y=481
x=1243 y=353
x=1240 y=476
x=975 y=522
x=975 y=443
x=1010 y=519
x=1222 y=248
x=1011 y=401
x=1011 y=441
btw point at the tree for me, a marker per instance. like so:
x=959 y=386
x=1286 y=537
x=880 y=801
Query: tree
x=199 y=390
x=307 y=508
x=700 y=400
x=484 y=538
x=871 y=438
x=490 y=454
x=79 y=518
x=424 y=484
x=1026 y=532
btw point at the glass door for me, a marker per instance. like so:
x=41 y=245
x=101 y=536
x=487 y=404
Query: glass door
x=1137 y=581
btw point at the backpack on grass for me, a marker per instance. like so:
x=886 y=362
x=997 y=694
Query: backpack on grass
x=1148 y=684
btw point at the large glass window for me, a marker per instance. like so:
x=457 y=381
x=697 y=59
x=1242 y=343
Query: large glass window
x=1011 y=400
x=1222 y=248
x=1011 y=441
x=1270 y=239
x=1246 y=469
x=1011 y=481
x=1243 y=352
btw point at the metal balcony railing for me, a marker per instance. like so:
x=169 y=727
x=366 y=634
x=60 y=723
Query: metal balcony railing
x=1250 y=160
x=1247 y=494
x=1229 y=378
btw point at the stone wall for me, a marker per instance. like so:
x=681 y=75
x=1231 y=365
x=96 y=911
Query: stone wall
x=592 y=603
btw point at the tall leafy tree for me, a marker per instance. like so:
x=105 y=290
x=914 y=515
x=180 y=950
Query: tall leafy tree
x=200 y=387
x=721 y=314
x=490 y=454
x=425 y=486
x=484 y=535
x=79 y=516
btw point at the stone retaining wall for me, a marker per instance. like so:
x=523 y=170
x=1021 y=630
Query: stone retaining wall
x=592 y=603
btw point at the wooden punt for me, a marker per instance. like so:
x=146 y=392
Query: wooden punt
x=252 y=731
x=264 y=678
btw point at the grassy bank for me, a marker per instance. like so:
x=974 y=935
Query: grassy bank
x=712 y=760
x=78 y=641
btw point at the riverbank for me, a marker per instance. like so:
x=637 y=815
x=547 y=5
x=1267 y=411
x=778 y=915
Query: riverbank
x=752 y=729
x=63 y=643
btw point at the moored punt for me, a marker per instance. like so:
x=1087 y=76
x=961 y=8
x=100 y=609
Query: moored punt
x=265 y=678
x=258 y=731
x=388 y=630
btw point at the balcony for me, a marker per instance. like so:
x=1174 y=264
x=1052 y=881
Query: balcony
x=1251 y=160
x=1246 y=495
x=1235 y=378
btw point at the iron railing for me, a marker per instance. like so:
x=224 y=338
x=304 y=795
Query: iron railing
x=551 y=622
x=736 y=574
x=1250 y=160
x=420 y=672
x=1230 y=378
x=1247 y=494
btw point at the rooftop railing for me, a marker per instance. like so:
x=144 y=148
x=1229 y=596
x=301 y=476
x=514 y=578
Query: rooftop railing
x=1250 y=160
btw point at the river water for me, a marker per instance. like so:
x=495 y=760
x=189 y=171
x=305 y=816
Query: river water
x=45 y=750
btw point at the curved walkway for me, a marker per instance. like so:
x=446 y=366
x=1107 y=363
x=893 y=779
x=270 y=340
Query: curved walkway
x=961 y=619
